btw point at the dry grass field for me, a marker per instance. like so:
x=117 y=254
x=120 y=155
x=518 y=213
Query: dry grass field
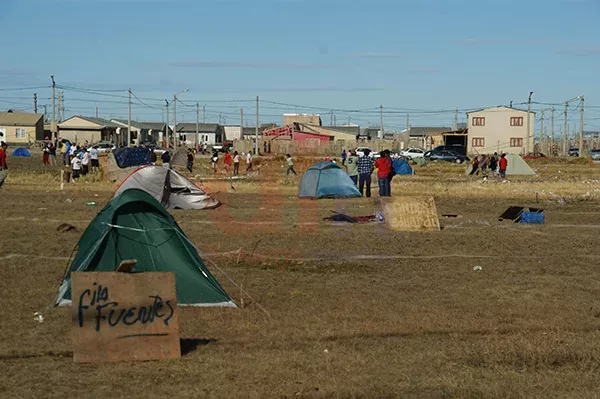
x=354 y=310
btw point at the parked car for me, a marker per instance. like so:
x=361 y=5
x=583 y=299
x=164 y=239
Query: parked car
x=595 y=154
x=360 y=151
x=445 y=155
x=461 y=149
x=534 y=155
x=104 y=147
x=573 y=152
x=155 y=148
x=412 y=153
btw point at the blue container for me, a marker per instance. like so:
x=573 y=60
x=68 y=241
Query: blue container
x=532 y=217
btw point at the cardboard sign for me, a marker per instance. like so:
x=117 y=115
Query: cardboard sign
x=411 y=213
x=124 y=316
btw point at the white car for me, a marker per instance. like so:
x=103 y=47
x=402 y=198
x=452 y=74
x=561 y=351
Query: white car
x=104 y=147
x=413 y=153
x=360 y=151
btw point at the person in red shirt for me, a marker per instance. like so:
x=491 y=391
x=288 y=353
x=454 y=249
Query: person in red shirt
x=384 y=167
x=228 y=161
x=3 y=156
x=502 y=164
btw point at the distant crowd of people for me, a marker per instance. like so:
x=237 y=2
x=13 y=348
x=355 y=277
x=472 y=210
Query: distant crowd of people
x=489 y=165
x=81 y=159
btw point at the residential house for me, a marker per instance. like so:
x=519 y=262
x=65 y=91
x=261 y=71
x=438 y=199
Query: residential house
x=499 y=129
x=308 y=119
x=421 y=136
x=21 y=127
x=79 y=129
x=208 y=133
x=143 y=132
x=233 y=132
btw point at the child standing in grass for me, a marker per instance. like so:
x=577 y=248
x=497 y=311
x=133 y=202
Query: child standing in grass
x=76 y=167
x=290 y=164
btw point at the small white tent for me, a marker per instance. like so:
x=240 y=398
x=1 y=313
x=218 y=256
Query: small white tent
x=517 y=166
x=169 y=188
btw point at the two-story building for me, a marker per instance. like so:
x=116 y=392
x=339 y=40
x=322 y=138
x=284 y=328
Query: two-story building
x=499 y=129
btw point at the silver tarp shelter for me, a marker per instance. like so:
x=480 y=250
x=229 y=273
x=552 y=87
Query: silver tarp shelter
x=169 y=188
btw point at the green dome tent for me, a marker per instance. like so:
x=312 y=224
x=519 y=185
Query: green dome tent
x=326 y=179
x=136 y=226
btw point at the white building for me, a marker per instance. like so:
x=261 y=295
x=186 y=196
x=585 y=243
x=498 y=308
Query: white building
x=499 y=129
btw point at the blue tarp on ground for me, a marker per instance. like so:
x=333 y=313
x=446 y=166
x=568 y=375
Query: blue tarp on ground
x=21 y=152
x=327 y=180
x=132 y=156
x=401 y=167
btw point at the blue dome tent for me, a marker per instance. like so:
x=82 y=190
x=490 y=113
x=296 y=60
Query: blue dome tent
x=327 y=180
x=21 y=152
x=401 y=167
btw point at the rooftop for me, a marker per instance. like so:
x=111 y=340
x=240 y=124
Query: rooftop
x=19 y=118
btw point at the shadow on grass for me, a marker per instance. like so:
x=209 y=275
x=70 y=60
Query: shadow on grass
x=189 y=345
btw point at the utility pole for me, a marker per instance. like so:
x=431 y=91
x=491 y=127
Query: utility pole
x=542 y=137
x=166 y=138
x=528 y=123
x=96 y=110
x=381 y=121
x=565 y=148
x=552 y=128
x=456 y=119
x=581 y=127
x=566 y=128
x=334 y=120
x=35 y=103
x=256 y=131
x=331 y=118
x=407 y=122
x=53 y=123
x=61 y=106
x=197 y=122
x=175 y=115
x=241 y=123
x=204 y=113
x=45 y=112
x=129 y=118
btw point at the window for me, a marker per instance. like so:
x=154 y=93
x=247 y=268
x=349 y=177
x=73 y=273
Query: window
x=21 y=133
x=478 y=142
x=516 y=121
x=478 y=121
x=516 y=142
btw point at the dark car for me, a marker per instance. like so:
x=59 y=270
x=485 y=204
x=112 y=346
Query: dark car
x=454 y=147
x=445 y=155
x=595 y=154
x=534 y=155
x=573 y=152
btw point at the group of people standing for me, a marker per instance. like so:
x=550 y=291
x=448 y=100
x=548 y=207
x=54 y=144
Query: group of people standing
x=81 y=160
x=489 y=165
x=361 y=168
x=230 y=160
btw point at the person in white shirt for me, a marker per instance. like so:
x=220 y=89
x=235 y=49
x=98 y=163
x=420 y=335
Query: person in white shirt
x=76 y=167
x=236 y=163
x=248 y=162
x=85 y=162
x=94 y=158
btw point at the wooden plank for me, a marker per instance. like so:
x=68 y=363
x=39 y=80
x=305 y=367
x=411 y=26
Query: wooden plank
x=407 y=213
x=123 y=316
